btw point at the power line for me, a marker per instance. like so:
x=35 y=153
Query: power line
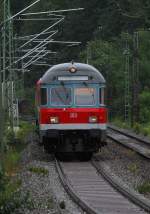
x=52 y=11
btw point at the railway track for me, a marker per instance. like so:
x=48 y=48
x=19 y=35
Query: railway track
x=132 y=141
x=90 y=186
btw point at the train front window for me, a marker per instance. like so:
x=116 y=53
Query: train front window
x=85 y=96
x=61 y=96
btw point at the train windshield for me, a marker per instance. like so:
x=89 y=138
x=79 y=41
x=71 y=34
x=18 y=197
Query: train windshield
x=85 y=96
x=61 y=96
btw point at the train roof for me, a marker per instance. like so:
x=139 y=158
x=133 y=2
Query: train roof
x=94 y=76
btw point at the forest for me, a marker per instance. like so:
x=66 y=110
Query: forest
x=104 y=28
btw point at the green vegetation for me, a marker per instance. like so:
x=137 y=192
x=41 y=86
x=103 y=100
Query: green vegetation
x=133 y=168
x=11 y=161
x=11 y=199
x=139 y=128
x=24 y=130
x=50 y=203
x=144 y=188
x=38 y=170
x=10 y=195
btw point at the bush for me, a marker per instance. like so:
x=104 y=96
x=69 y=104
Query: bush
x=144 y=106
x=11 y=198
x=10 y=203
x=25 y=129
x=133 y=168
x=8 y=138
x=11 y=160
x=144 y=188
x=137 y=128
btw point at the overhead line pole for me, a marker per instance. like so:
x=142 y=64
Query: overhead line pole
x=127 y=100
x=6 y=94
x=1 y=108
x=135 y=79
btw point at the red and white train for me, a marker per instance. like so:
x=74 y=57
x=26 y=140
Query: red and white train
x=71 y=113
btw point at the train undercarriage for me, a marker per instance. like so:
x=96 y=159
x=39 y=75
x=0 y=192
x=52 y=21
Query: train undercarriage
x=81 y=142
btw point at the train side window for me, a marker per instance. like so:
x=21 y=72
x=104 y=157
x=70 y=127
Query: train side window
x=102 y=96
x=43 y=96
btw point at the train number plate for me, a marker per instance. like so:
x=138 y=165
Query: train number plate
x=73 y=115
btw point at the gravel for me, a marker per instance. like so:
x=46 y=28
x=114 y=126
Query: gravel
x=44 y=189
x=132 y=168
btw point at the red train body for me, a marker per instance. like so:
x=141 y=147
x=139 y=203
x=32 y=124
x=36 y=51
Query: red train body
x=71 y=114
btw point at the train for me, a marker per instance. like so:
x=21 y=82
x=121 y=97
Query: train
x=71 y=110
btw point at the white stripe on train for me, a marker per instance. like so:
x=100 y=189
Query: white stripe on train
x=71 y=126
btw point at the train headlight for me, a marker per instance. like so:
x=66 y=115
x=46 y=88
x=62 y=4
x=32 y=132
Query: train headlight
x=72 y=69
x=93 y=119
x=54 y=120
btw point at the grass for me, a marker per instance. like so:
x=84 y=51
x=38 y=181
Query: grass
x=11 y=197
x=144 y=188
x=50 y=203
x=133 y=168
x=120 y=123
x=38 y=170
x=11 y=200
x=11 y=162
x=25 y=129
x=129 y=153
x=138 y=128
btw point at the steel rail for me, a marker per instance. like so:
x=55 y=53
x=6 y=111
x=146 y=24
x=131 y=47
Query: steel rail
x=132 y=195
x=137 y=144
x=66 y=184
x=131 y=135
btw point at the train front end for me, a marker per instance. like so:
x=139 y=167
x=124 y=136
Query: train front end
x=72 y=116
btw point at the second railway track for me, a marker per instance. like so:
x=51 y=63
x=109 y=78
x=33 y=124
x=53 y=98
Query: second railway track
x=132 y=141
x=92 y=191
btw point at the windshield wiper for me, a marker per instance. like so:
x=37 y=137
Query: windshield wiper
x=58 y=95
x=65 y=90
